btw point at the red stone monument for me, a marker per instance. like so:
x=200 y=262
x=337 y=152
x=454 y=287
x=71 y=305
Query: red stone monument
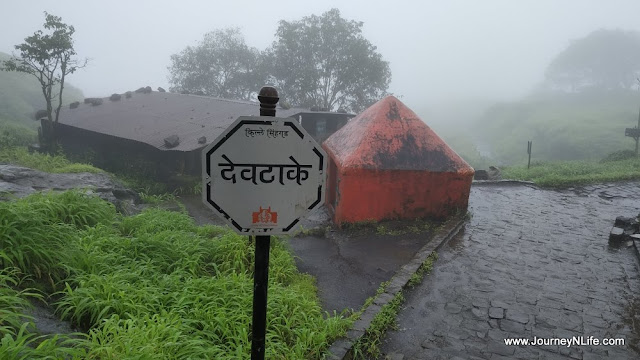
x=386 y=163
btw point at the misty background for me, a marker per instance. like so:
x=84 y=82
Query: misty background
x=450 y=61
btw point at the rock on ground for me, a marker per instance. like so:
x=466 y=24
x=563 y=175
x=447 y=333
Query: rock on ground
x=18 y=182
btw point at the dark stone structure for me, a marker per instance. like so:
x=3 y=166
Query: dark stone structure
x=161 y=135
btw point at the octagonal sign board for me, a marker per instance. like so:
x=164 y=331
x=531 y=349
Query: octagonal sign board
x=263 y=174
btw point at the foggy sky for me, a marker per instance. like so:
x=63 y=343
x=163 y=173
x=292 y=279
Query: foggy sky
x=438 y=50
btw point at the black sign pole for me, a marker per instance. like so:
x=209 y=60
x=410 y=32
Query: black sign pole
x=268 y=98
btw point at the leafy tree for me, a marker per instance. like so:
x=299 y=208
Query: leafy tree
x=603 y=60
x=49 y=58
x=222 y=65
x=21 y=96
x=325 y=61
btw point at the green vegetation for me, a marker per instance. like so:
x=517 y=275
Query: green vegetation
x=319 y=231
x=368 y=346
x=143 y=185
x=579 y=111
x=13 y=141
x=43 y=162
x=12 y=151
x=150 y=286
x=156 y=199
x=571 y=173
x=382 y=288
x=620 y=155
x=12 y=301
x=49 y=57
x=358 y=225
x=584 y=126
x=390 y=227
x=425 y=268
x=153 y=188
x=222 y=65
x=21 y=96
x=563 y=126
x=13 y=134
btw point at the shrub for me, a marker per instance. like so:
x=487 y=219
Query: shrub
x=15 y=135
x=620 y=155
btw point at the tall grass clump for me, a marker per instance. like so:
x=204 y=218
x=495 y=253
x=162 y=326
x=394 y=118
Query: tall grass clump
x=12 y=302
x=156 y=286
x=18 y=339
x=37 y=232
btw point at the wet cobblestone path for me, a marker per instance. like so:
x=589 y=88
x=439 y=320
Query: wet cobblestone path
x=530 y=263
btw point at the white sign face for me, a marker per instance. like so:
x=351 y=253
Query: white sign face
x=263 y=174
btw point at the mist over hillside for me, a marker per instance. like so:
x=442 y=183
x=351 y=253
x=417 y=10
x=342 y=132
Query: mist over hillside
x=21 y=96
x=578 y=111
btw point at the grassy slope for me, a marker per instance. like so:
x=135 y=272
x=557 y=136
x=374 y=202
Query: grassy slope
x=13 y=134
x=571 y=173
x=562 y=127
x=21 y=96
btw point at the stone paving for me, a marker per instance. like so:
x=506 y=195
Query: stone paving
x=530 y=263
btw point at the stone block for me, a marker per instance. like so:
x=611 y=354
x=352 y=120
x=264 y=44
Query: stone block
x=172 y=141
x=496 y=313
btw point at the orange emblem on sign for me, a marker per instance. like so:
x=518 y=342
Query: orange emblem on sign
x=265 y=216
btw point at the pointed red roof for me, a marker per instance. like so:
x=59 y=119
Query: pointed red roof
x=389 y=136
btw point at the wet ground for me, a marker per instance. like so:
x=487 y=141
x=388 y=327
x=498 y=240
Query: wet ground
x=46 y=322
x=349 y=269
x=530 y=263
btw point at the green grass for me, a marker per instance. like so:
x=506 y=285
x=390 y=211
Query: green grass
x=150 y=187
x=156 y=199
x=318 y=231
x=423 y=270
x=571 y=173
x=368 y=346
x=150 y=286
x=390 y=227
x=17 y=337
x=143 y=185
x=12 y=301
x=43 y=162
x=15 y=134
x=15 y=137
x=35 y=231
